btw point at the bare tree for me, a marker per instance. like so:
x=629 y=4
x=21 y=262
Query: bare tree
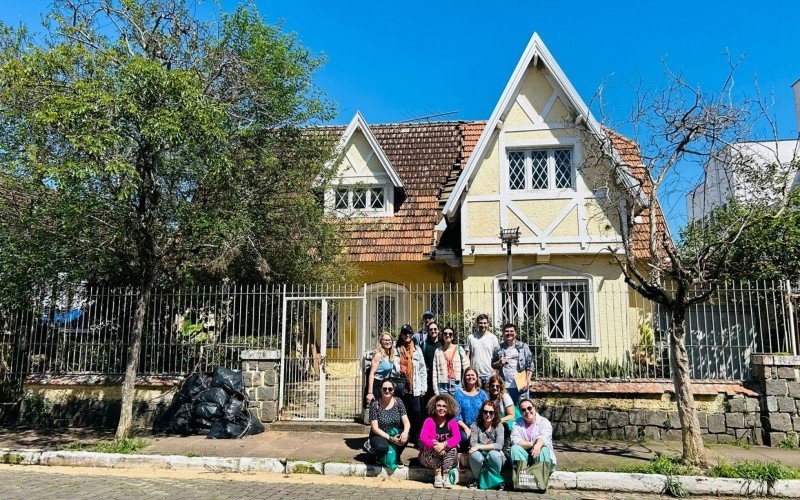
x=685 y=130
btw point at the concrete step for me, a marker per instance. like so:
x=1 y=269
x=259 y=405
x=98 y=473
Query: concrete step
x=328 y=427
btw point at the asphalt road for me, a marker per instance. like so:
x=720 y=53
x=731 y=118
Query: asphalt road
x=26 y=482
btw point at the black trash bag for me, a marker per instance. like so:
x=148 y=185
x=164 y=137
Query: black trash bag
x=233 y=410
x=194 y=385
x=254 y=426
x=162 y=421
x=207 y=411
x=181 y=422
x=216 y=395
x=223 y=429
x=230 y=380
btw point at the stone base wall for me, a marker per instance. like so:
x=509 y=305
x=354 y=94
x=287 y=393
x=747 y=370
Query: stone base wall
x=727 y=411
x=779 y=377
x=261 y=370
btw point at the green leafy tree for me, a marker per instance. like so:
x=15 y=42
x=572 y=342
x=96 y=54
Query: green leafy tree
x=767 y=250
x=148 y=146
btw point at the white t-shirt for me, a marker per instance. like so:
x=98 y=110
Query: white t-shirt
x=480 y=352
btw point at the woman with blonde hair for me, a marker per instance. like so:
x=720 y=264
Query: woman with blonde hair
x=385 y=364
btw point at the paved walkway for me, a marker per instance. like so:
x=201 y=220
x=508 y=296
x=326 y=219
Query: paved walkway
x=16 y=482
x=325 y=446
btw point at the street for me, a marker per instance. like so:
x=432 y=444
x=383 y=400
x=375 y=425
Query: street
x=72 y=482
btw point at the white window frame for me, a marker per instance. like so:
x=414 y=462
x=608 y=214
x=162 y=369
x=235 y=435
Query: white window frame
x=544 y=310
x=551 y=168
x=367 y=211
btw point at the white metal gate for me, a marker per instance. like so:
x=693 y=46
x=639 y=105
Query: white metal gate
x=321 y=342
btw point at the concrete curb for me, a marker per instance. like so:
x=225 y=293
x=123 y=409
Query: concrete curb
x=561 y=480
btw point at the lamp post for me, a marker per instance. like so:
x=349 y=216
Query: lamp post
x=509 y=237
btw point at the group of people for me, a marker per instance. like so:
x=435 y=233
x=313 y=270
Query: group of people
x=459 y=405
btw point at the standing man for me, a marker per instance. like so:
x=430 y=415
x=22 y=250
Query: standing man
x=427 y=318
x=432 y=342
x=514 y=361
x=480 y=347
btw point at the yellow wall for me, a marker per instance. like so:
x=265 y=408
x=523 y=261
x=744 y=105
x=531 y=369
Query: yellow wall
x=615 y=311
x=361 y=170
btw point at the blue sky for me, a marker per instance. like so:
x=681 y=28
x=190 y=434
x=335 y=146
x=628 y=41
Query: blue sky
x=399 y=60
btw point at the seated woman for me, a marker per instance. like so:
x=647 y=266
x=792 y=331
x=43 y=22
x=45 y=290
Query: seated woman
x=439 y=439
x=486 y=446
x=389 y=423
x=469 y=398
x=496 y=390
x=532 y=437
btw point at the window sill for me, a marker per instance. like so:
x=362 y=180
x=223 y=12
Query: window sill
x=573 y=346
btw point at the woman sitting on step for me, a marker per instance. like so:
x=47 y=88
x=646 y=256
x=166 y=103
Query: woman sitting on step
x=389 y=424
x=486 y=447
x=439 y=439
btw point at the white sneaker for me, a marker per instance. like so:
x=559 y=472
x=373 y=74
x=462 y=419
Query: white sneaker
x=447 y=484
x=437 y=481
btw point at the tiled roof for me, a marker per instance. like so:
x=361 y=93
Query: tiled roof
x=640 y=234
x=429 y=157
x=425 y=156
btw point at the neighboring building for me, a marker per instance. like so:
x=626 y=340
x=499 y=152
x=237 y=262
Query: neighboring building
x=741 y=172
x=427 y=201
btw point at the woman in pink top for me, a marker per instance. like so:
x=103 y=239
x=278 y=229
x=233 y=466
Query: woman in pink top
x=439 y=438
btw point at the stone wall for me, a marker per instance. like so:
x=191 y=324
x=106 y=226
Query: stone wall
x=261 y=370
x=646 y=410
x=779 y=378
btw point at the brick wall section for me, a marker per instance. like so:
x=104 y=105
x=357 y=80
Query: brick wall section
x=779 y=377
x=261 y=370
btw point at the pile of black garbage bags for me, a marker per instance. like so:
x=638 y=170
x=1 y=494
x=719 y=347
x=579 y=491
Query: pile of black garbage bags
x=215 y=406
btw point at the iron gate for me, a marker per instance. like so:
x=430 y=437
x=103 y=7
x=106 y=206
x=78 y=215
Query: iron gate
x=322 y=343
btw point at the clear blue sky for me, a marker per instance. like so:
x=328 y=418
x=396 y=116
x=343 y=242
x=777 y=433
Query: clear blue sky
x=399 y=60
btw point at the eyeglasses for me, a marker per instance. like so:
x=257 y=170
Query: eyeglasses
x=387 y=389
x=386 y=340
x=447 y=334
x=405 y=333
x=527 y=409
x=495 y=386
x=488 y=412
x=442 y=406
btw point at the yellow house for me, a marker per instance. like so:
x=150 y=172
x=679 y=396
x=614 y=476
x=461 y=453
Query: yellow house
x=425 y=203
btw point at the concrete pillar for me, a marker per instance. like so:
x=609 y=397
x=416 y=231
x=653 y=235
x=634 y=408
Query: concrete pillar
x=261 y=369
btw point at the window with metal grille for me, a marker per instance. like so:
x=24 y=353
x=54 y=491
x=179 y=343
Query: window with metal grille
x=561 y=308
x=365 y=199
x=332 y=335
x=535 y=169
x=385 y=312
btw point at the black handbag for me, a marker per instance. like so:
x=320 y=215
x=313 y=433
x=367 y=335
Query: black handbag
x=400 y=385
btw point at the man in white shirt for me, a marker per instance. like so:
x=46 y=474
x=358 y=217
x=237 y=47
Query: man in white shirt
x=480 y=346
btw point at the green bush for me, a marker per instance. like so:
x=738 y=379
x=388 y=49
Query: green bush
x=757 y=471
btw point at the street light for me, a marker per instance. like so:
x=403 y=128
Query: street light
x=509 y=237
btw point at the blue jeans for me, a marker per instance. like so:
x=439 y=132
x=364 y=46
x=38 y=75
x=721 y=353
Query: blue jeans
x=478 y=458
x=449 y=387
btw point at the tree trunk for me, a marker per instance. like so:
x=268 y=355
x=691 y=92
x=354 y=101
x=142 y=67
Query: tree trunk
x=132 y=363
x=691 y=435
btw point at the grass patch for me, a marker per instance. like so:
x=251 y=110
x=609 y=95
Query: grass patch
x=305 y=469
x=192 y=454
x=756 y=471
x=790 y=442
x=667 y=465
x=126 y=446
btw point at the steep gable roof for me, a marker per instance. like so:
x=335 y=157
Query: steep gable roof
x=536 y=52
x=357 y=123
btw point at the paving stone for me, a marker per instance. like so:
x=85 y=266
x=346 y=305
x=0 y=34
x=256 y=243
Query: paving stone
x=656 y=418
x=772 y=404
x=617 y=419
x=580 y=414
x=734 y=420
x=737 y=404
x=786 y=404
x=716 y=423
x=787 y=372
x=780 y=422
x=776 y=387
x=794 y=389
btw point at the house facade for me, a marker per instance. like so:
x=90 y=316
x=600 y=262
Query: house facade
x=425 y=204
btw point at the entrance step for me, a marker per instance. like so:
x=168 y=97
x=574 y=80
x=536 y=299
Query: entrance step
x=329 y=427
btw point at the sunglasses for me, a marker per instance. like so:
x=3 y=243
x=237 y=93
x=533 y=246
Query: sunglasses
x=495 y=386
x=387 y=389
x=488 y=412
x=405 y=333
x=447 y=334
x=527 y=409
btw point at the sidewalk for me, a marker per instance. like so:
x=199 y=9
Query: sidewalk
x=346 y=448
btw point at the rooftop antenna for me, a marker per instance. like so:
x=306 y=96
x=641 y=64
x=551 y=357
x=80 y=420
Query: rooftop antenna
x=428 y=118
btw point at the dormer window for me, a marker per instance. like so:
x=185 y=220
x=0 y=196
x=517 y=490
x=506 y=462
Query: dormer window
x=361 y=200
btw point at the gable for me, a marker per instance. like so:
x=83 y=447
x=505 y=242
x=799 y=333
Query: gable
x=361 y=159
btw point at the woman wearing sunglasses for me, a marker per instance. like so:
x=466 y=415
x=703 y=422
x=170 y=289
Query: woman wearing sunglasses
x=439 y=439
x=449 y=363
x=486 y=446
x=532 y=437
x=496 y=389
x=385 y=363
x=388 y=423
x=412 y=369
